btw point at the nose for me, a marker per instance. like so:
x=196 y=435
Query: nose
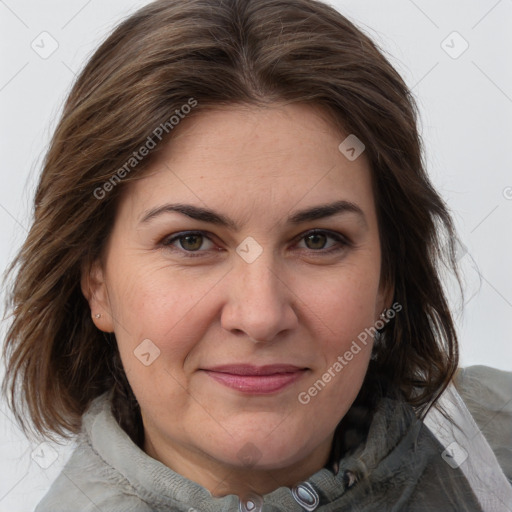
x=261 y=303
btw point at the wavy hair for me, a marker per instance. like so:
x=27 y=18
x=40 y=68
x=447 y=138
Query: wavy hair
x=255 y=52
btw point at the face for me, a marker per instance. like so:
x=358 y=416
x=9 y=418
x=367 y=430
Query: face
x=232 y=289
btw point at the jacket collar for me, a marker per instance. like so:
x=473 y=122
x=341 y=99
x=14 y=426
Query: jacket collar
x=393 y=432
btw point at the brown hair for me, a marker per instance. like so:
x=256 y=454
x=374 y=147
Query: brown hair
x=257 y=52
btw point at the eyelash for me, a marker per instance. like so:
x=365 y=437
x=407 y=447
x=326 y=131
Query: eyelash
x=340 y=239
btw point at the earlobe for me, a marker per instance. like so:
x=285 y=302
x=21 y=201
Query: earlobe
x=94 y=289
x=385 y=299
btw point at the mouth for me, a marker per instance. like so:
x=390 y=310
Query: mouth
x=256 y=379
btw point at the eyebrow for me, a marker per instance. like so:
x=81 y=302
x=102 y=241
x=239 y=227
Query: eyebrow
x=212 y=217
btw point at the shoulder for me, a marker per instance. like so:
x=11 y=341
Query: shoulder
x=487 y=393
x=88 y=483
x=484 y=379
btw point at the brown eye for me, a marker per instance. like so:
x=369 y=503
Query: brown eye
x=188 y=242
x=324 y=242
x=191 y=242
x=315 y=240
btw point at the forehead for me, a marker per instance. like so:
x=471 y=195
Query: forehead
x=275 y=156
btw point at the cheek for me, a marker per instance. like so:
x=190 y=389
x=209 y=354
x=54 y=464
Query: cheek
x=157 y=304
x=153 y=337
x=342 y=315
x=343 y=302
x=342 y=312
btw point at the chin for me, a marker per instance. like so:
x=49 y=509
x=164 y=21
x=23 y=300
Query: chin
x=261 y=453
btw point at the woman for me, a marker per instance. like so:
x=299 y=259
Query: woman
x=231 y=287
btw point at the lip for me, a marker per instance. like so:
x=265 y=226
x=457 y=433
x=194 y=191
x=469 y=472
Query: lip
x=256 y=379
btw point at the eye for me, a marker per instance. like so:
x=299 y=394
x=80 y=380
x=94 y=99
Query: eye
x=316 y=241
x=190 y=241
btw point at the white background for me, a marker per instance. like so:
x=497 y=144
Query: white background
x=466 y=118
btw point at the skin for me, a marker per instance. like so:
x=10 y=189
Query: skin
x=296 y=303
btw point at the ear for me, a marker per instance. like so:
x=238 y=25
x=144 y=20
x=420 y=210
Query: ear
x=384 y=299
x=95 y=291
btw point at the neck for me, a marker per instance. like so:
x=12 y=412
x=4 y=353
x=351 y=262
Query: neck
x=222 y=479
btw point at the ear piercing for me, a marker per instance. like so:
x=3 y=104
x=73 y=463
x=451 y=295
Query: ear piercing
x=97 y=315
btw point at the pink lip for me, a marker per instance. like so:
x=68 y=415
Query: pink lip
x=256 y=379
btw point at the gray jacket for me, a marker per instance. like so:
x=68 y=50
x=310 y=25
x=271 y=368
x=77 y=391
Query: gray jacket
x=401 y=465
